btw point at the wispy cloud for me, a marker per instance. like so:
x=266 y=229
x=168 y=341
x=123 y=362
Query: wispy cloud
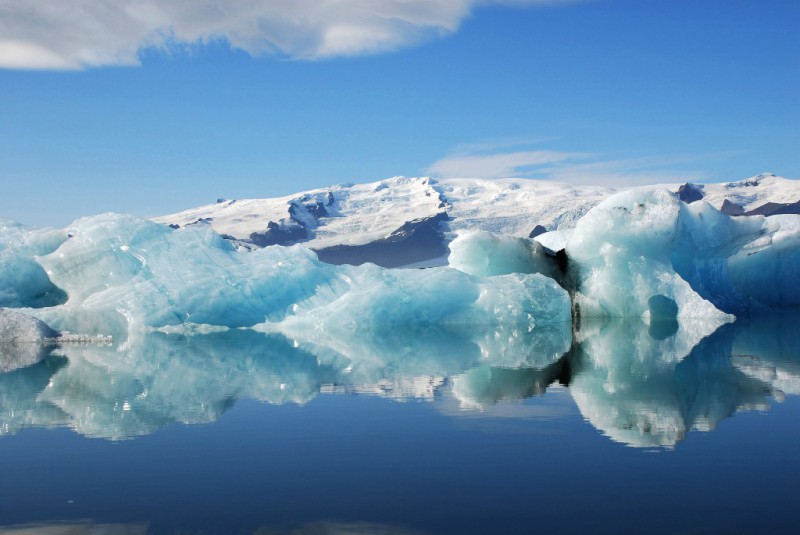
x=488 y=160
x=509 y=164
x=75 y=34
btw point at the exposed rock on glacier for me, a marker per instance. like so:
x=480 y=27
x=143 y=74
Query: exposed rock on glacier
x=690 y=193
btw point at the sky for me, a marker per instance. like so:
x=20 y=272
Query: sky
x=151 y=107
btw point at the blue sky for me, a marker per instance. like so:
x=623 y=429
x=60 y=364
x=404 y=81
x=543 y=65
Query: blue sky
x=100 y=114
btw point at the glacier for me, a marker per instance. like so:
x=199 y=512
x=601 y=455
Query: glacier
x=640 y=253
x=353 y=215
x=634 y=310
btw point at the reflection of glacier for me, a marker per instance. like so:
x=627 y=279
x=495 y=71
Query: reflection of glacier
x=630 y=380
x=200 y=323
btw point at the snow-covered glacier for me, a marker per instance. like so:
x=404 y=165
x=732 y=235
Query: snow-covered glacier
x=639 y=253
x=423 y=214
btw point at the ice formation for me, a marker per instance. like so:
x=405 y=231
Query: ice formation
x=24 y=340
x=646 y=253
x=483 y=254
x=124 y=274
x=23 y=282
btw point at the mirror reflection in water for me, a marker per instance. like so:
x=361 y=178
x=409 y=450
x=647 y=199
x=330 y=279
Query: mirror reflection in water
x=546 y=396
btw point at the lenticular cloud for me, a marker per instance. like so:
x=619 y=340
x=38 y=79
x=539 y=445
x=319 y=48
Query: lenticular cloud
x=75 y=34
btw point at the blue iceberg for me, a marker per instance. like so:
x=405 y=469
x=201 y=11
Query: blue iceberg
x=122 y=274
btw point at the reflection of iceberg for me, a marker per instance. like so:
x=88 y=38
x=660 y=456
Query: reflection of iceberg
x=768 y=349
x=486 y=385
x=117 y=392
x=162 y=379
x=20 y=405
x=633 y=382
x=645 y=389
x=408 y=362
x=642 y=391
x=157 y=379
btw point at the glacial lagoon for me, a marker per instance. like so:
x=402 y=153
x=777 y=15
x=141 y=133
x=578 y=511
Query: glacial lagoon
x=614 y=426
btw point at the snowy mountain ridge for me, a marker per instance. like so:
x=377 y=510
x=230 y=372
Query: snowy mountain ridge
x=362 y=213
x=354 y=215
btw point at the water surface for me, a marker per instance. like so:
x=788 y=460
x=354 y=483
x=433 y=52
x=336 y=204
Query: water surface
x=618 y=427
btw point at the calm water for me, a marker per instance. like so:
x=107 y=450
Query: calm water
x=618 y=427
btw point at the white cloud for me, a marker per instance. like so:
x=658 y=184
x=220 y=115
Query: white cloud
x=502 y=165
x=75 y=34
x=572 y=167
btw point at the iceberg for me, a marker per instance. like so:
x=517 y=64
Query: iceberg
x=24 y=340
x=23 y=281
x=483 y=254
x=645 y=253
x=123 y=275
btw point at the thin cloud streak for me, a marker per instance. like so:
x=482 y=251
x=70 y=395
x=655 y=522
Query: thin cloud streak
x=578 y=168
x=76 y=34
x=504 y=165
